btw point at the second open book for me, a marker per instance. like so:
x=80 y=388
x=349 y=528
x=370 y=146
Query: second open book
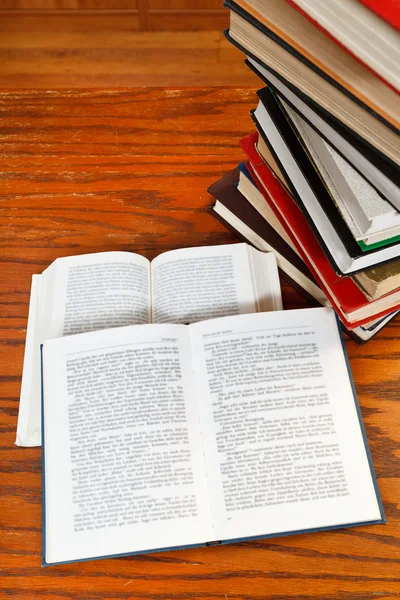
x=85 y=293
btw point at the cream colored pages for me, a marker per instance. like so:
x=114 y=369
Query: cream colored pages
x=313 y=44
x=362 y=32
x=195 y=284
x=282 y=439
x=316 y=87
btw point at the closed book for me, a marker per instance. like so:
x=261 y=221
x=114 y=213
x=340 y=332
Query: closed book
x=384 y=177
x=381 y=280
x=334 y=236
x=248 y=217
x=294 y=32
x=389 y=10
x=378 y=135
x=359 y=31
x=374 y=283
x=225 y=190
x=350 y=303
x=371 y=219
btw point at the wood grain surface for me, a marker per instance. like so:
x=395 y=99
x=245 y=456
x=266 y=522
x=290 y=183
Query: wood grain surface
x=145 y=15
x=104 y=50
x=88 y=171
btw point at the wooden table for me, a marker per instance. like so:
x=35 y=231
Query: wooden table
x=89 y=171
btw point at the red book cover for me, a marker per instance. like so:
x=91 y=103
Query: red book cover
x=332 y=37
x=388 y=10
x=342 y=292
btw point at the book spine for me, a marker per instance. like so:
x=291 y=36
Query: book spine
x=388 y=10
x=339 y=43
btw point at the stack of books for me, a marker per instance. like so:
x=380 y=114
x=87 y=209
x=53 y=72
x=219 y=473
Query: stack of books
x=320 y=186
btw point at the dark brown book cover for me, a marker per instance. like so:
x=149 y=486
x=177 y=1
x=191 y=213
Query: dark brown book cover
x=226 y=192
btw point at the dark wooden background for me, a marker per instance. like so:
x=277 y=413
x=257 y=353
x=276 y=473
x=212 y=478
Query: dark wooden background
x=89 y=171
x=51 y=44
x=142 y=15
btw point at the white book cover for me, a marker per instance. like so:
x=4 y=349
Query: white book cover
x=365 y=211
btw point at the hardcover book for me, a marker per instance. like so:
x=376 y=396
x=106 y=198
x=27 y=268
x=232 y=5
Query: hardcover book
x=286 y=26
x=360 y=31
x=377 y=135
x=348 y=300
x=323 y=216
x=382 y=280
x=388 y=10
x=374 y=283
x=371 y=219
x=241 y=207
x=167 y=436
x=372 y=165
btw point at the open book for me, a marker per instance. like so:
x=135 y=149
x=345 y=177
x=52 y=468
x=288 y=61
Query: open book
x=163 y=436
x=114 y=289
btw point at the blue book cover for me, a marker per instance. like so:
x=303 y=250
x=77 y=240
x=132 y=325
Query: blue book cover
x=381 y=519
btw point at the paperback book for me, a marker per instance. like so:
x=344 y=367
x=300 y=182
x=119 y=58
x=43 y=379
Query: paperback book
x=84 y=293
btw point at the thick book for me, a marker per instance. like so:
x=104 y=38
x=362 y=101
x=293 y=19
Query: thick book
x=381 y=280
x=268 y=157
x=250 y=187
x=379 y=136
x=359 y=31
x=240 y=206
x=317 y=204
x=350 y=303
x=286 y=26
x=370 y=164
x=389 y=10
x=372 y=220
x=84 y=293
x=375 y=282
x=360 y=211
x=317 y=183
x=161 y=436
x=259 y=227
x=336 y=190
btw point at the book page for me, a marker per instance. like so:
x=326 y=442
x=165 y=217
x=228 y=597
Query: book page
x=97 y=291
x=194 y=284
x=283 y=444
x=28 y=428
x=77 y=294
x=124 y=464
x=266 y=280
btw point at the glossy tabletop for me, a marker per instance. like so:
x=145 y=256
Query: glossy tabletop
x=89 y=171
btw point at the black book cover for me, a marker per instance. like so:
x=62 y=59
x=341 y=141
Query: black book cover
x=371 y=154
x=272 y=35
x=278 y=114
x=380 y=160
x=312 y=177
x=225 y=191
